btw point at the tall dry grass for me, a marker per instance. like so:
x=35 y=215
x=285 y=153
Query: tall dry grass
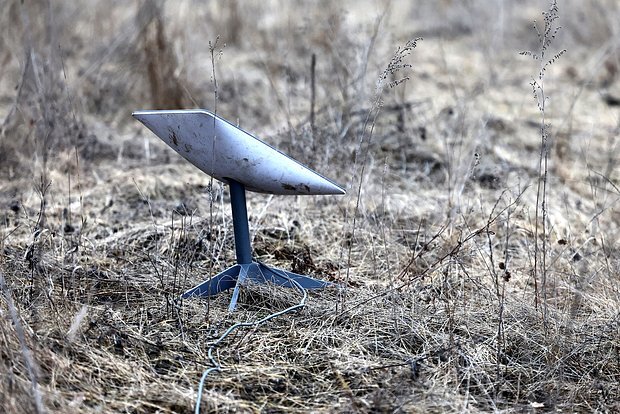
x=437 y=242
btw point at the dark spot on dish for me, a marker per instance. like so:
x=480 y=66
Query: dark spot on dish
x=173 y=137
x=611 y=100
x=299 y=188
x=245 y=159
x=188 y=147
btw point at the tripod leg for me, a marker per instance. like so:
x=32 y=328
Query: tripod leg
x=223 y=281
x=243 y=274
x=283 y=278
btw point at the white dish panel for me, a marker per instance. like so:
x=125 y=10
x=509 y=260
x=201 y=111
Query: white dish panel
x=224 y=151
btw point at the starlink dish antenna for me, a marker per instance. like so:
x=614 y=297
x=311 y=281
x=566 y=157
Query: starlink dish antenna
x=244 y=162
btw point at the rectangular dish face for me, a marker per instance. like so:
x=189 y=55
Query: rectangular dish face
x=224 y=151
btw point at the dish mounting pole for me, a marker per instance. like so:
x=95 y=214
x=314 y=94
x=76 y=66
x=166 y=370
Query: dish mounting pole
x=246 y=268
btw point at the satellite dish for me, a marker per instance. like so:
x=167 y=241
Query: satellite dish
x=224 y=151
x=244 y=162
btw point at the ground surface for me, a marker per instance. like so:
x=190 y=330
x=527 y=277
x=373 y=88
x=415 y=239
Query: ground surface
x=466 y=287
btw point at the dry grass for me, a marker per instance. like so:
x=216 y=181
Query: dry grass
x=103 y=227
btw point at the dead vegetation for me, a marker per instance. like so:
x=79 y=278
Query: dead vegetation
x=437 y=241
